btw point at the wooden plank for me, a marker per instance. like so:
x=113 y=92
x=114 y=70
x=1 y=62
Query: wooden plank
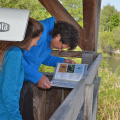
x=96 y=83
x=45 y=102
x=55 y=8
x=53 y=99
x=94 y=116
x=92 y=71
x=71 y=106
x=66 y=92
x=26 y=101
x=38 y=103
x=76 y=54
x=88 y=102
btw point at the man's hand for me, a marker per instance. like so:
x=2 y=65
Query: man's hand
x=44 y=83
x=69 y=61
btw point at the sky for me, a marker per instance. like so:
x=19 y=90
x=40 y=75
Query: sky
x=115 y=3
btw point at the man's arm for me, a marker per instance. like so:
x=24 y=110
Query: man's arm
x=32 y=73
x=52 y=60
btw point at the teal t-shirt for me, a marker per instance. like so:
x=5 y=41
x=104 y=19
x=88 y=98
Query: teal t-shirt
x=11 y=82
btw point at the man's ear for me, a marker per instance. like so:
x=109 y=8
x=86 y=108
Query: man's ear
x=59 y=36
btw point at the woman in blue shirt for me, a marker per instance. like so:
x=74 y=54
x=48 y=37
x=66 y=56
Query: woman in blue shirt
x=12 y=70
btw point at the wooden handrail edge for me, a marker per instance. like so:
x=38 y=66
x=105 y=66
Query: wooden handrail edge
x=64 y=110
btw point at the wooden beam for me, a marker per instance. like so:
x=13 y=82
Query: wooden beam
x=91 y=16
x=76 y=54
x=55 y=8
x=89 y=24
x=98 y=8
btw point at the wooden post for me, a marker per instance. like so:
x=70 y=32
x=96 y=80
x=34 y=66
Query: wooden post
x=91 y=15
x=55 y=8
x=98 y=8
x=87 y=57
x=89 y=24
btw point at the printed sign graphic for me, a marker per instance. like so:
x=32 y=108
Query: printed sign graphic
x=4 y=27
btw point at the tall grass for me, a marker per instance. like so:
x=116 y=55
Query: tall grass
x=109 y=93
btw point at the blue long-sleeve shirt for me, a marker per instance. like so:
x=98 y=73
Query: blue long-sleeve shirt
x=11 y=81
x=40 y=54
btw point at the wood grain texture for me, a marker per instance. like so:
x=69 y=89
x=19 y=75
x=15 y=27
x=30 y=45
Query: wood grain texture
x=88 y=102
x=91 y=19
x=71 y=106
x=76 y=54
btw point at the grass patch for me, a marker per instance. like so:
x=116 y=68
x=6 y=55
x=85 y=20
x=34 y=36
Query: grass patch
x=109 y=94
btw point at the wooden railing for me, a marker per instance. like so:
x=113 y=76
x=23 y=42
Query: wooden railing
x=61 y=103
x=85 y=93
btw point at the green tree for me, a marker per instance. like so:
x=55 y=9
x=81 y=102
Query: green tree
x=116 y=34
x=109 y=18
x=37 y=11
x=106 y=41
x=75 y=8
x=114 y=21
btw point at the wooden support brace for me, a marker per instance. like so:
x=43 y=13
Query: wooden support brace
x=55 y=8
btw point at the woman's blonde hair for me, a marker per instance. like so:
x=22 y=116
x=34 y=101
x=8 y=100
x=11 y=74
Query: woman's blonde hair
x=34 y=29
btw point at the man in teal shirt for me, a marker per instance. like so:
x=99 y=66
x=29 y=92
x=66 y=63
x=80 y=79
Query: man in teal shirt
x=58 y=35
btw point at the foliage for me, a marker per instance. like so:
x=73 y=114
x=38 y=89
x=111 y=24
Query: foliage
x=106 y=41
x=109 y=18
x=37 y=11
x=114 y=21
x=75 y=8
x=109 y=41
x=116 y=34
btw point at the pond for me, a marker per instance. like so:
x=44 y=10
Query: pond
x=113 y=62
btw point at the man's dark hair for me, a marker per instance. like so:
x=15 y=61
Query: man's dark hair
x=69 y=34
